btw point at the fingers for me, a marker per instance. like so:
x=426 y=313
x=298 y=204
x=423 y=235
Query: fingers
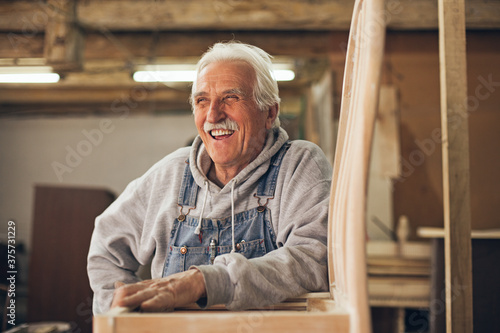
x=161 y=294
x=131 y=295
x=146 y=295
x=136 y=297
x=122 y=292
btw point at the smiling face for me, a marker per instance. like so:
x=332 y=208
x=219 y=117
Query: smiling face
x=228 y=120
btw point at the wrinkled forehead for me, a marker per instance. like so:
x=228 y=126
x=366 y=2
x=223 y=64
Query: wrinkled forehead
x=224 y=75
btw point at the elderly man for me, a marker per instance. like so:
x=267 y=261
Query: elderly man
x=239 y=218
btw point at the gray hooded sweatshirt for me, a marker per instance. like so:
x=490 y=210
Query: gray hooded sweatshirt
x=135 y=229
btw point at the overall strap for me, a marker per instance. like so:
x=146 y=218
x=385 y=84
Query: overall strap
x=189 y=189
x=267 y=183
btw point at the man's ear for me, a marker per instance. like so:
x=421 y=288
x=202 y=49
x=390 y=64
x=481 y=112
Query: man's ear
x=272 y=113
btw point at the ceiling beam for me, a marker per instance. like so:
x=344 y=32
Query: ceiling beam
x=31 y=17
x=85 y=109
x=63 y=37
x=114 y=97
x=217 y=15
x=194 y=44
x=114 y=101
x=13 y=45
x=132 y=45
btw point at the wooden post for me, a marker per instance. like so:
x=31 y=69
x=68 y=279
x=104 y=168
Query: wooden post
x=63 y=38
x=456 y=189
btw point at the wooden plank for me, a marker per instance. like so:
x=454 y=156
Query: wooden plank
x=455 y=149
x=98 y=109
x=399 y=288
x=429 y=232
x=131 y=45
x=387 y=132
x=26 y=17
x=319 y=116
x=269 y=15
x=235 y=15
x=317 y=301
x=437 y=321
x=347 y=218
x=15 y=45
x=208 y=322
x=116 y=97
x=194 y=43
x=322 y=316
x=299 y=303
x=63 y=37
x=409 y=250
x=375 y=270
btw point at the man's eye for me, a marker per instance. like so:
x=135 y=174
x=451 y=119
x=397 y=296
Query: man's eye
x=231 y=98
x=200 y=100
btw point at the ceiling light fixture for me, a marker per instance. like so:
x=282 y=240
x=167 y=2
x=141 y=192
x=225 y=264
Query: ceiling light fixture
x=284 y=74
x=164 y=76
x=28 y=74
x=187 y=73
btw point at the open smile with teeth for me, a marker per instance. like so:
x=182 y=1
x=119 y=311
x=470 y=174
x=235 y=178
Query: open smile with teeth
x=219 y=134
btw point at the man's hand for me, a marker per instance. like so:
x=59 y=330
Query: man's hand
x=161 y=294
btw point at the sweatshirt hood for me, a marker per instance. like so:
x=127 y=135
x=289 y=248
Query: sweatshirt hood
x=200 y=161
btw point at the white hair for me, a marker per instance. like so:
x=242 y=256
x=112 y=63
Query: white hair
x=266 y=92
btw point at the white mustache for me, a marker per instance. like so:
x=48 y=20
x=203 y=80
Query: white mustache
x=225 y=124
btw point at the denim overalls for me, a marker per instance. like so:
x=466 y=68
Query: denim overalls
x=253 y=231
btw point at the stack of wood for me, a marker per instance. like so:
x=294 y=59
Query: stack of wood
x=399 y=271
x=307 y=302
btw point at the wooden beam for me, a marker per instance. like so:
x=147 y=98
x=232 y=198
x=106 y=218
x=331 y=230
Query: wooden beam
x=15 y=45
x=387 y=132
x=269 y=14
x=195 y=43
x=126 y=45
x=262 y=321
x=130 y=45
x=25 y=17
x=32 y=16
x=114 y=96
x=200 y=14
x=455 y=148
x=63 y=38
x=98 y=109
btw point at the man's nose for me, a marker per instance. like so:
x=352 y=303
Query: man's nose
x=215 y=112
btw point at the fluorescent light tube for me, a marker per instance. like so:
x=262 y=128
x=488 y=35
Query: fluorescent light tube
x=30 y=78
x=165 y=76
x=190 y=75
x=284 y=74
x=28 y=74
